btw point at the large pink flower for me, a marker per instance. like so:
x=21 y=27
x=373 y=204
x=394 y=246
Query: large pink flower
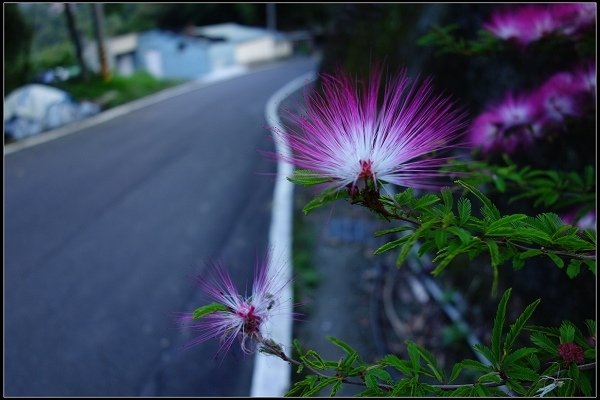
x=357 y=133
x=238 y=316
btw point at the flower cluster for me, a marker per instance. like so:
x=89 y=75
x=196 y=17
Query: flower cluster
x=571 y=353
x=233 y=315
x=521 y=118
x=355 y=136
x=531 y=23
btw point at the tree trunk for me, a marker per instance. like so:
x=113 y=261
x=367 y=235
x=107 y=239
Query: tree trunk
x=76 y=40
x=98 y=16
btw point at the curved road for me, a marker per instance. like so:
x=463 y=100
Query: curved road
x=104 y=228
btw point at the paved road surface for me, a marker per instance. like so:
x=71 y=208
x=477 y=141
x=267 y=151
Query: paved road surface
x=104 y=227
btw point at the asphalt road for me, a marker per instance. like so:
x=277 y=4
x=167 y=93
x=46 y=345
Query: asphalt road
x=104 y=228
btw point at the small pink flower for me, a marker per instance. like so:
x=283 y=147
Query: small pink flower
x=522 y=25
x=536 y=23
x=507 y=125
x=559 y=97
x=530 y=23
x=241 y=316
x=504 y=25
x=571 y=353
x=585 y=78
x=354 y=134
x=586 y=221
x=574 y=17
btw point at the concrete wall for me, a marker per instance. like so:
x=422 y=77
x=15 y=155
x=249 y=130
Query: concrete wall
x=261 y=49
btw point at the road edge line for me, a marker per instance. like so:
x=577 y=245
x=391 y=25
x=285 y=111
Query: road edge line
x=271 y=377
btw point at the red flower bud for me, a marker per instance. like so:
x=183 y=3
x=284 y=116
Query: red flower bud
x=570 y=352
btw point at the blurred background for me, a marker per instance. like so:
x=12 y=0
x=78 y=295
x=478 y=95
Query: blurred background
x=104 y=228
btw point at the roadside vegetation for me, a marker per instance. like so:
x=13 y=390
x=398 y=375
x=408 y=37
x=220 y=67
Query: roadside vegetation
x=116 y=90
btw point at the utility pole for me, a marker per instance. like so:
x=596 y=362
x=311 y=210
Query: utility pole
x=76 y=40
x=271 y=17
x=98 y=17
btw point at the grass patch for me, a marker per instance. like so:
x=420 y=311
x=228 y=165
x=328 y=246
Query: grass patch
x=306 y=277
x=117 y=90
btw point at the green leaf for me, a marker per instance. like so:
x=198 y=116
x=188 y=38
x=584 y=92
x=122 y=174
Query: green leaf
x=313 y=360
x=492 y=376
x=300 y=387
x=550 y=331
x=591 y=325
x=557 y=260
x=376 y=374
x=207 y=309
x=584 y=384
x=414 y=355
x=306 y=177
x=341 y=344
x=504 y=225
x=325 y=197
x=431 y=362
x=464 y=210
x=530 y=253
x=567 y=332
x=519 y=324
x=518 y=354
x=393 y=230
x=297 y=346
x=468 y=364
x=500 y=183
x=335 y=388
x=404 y=197
x=517 y=263
x=494 y=253
x=485 y=351
x=498 y=325
x=464 y=236
x=591 y=265
x=447 y=197
x=324 y=382
x=403 y=366
x=488 y=206
x=573 y=268
x=521 y=373
x=441 y=238
x=393 y=244
x=410 y=242
x=425 y=201
x=534 y=361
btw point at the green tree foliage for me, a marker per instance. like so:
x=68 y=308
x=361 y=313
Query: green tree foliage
x=17 y=66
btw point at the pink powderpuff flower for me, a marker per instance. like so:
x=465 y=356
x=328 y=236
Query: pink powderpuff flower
x=571 y=353
x=516 y=111
x=238 y=316
x=522 y=25
x=559 y=97
x=504 y=25
x=353 y=134
x=536 y=23
x=487 y=133
x=572 y=18
x=504 y=127
x=586 y=221
x=585 y=79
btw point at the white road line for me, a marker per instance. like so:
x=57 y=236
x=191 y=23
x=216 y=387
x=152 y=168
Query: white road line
x=272 y=376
